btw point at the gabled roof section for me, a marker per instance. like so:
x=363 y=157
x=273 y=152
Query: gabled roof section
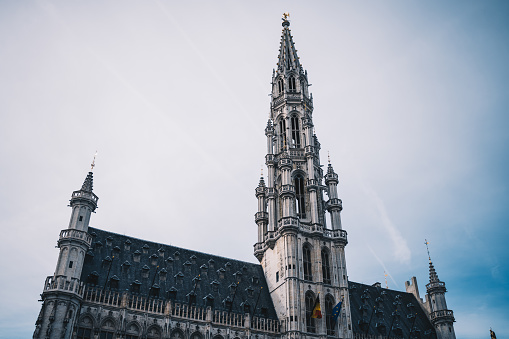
x=288 y=59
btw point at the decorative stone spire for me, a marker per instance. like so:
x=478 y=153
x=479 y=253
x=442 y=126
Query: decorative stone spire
x=433 y=276
x=88 y=184
x=287 y=59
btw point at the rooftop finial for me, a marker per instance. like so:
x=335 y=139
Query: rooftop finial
x=386 y=285
x=285 y=17
x=93 y=162
x=328 y=156
x=427 y=248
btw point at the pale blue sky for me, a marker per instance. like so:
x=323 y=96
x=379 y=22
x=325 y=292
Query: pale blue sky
x=411 y=99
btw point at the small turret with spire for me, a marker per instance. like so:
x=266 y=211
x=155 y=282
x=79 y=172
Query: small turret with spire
x=441 y=317
x=62 y=292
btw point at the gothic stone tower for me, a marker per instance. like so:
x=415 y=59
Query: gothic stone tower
x=63 y=291
x=301 y=255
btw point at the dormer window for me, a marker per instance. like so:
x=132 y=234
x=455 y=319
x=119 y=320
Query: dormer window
x=294 y=121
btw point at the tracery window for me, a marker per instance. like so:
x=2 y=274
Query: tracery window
x=294 y=121
x=85 y=329
x=132 y=331
x=291 y=84
x=326 y=267
x=329 y=323
x=310 y=303
x=306 y=259
x=107 y=330
x=300 y=196
x=280 y=86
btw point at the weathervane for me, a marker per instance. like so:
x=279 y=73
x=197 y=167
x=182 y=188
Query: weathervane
x=93 y=162
x=427 y=248
x=328 y=157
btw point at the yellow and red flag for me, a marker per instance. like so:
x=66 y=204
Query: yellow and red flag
x=317 y=311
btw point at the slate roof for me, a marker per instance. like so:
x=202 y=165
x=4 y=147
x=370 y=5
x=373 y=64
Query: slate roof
x=379 y=305
x=121 y=263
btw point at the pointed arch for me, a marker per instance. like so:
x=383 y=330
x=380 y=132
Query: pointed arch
x=85 y=326
x=108 y=328
x=329 y=320
x=326 y=274
x=295 y=131
x=310 y=303
x=154 y=332
x=196 y=335
x=291 y=84
x=177 y=334
x=306 y=261
x=133 y=330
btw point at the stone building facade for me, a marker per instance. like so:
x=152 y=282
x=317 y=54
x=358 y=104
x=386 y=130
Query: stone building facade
x=108 y=285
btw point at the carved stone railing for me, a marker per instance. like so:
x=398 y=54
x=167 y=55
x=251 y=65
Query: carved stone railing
x=286 y=189
x=336 y=234
x=261 y=216
x=73 y=234
x=63 y=284
x=266 y=325
x=98 y=295
x=444 y=315
x=84 y=194
x=334 y=203
x=436 y=285
x=296 y=152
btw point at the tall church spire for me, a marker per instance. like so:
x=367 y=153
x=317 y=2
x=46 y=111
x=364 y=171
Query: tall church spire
x=293 y=232
x=287 y=59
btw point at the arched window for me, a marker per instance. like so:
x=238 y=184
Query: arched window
x=85 y=328
x=310 y=303
x=154 y=332
x=329 y=322
x=306 y=259
x=325 y=267
x=294 y=121
x=298 y=182
x=132 y=331
x=291 y=84
x=282 y=133
x=107 y=330
x=280 y=86
x=177 y=334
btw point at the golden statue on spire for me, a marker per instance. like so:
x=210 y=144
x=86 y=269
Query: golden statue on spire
x=93 y=162
x=286 y=16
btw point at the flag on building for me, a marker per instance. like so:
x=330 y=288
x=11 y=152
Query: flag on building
x=317 y=311
x=336 y=311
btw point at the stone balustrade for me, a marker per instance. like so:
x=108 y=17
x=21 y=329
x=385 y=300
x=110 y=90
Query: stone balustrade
x=442 y=314
x=63 y=284
x=86 y=195
x=126 y=300
x=73 y=234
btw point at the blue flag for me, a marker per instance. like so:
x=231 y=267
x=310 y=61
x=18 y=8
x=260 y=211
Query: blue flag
x=336 y=310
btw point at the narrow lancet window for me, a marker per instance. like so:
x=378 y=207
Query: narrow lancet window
x=280 y=86
x=295 y=132
x=329 y=323
x=282 y=134
x=300 y=197
x=306 y=259
x=310 y=304
x=326 y=267
x=291 y=84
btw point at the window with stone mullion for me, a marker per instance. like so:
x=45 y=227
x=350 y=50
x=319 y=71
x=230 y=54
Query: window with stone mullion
x=326 y=267
x=310 y=322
